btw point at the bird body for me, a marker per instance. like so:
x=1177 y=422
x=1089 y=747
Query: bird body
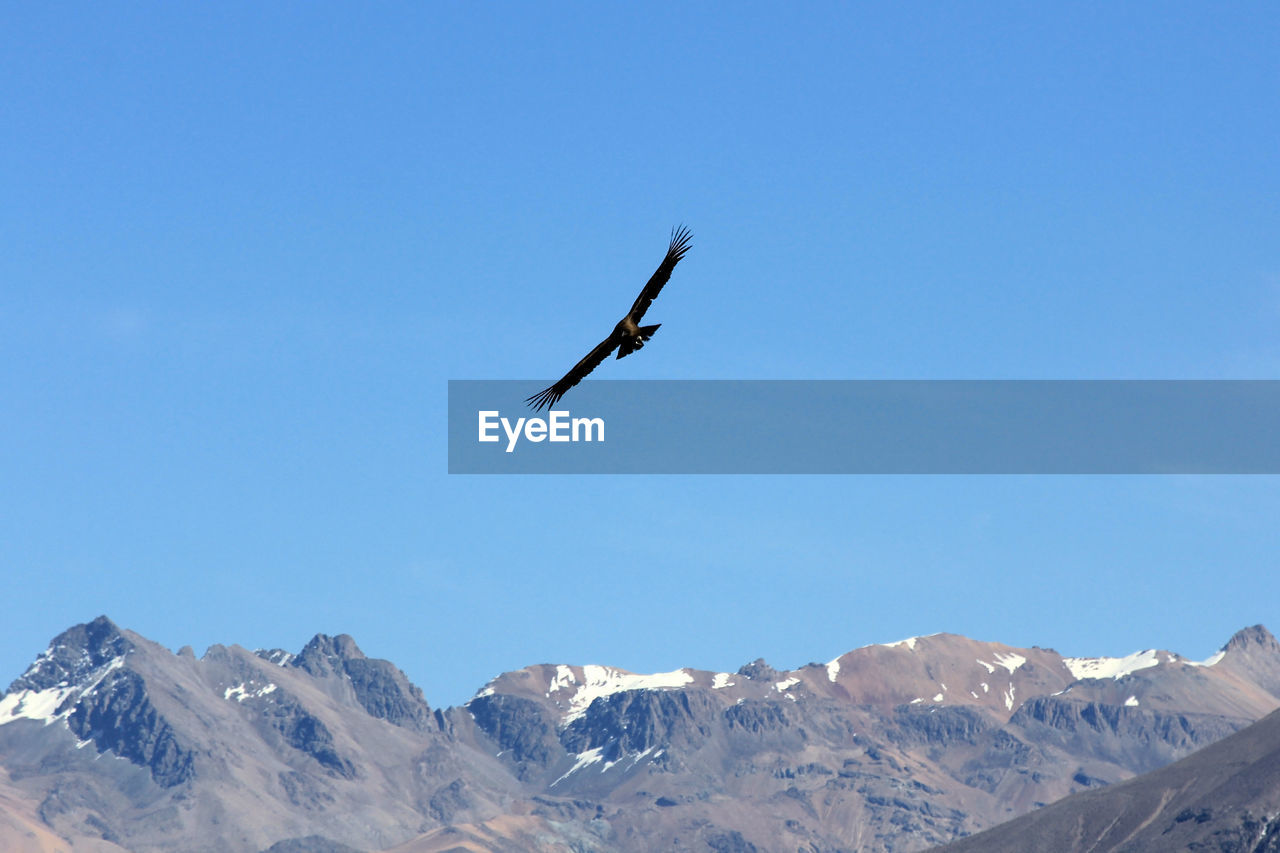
x=626 y=337
x=630 y=336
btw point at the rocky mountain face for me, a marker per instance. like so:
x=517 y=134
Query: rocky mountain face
x=1225 y=798
x=111 y=742
x=108 y=736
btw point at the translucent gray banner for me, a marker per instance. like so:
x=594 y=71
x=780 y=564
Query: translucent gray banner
x=869 y=427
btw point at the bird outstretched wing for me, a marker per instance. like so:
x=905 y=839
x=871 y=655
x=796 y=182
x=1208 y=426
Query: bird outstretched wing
x=549 y=396
x=680 y=238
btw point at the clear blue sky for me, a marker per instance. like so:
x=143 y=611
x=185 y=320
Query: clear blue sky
x=244 y=247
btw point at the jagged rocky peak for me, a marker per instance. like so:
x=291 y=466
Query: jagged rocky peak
x=218 y=653
x=1255 y=638
x=380 y=688
x=325 y=654
x=758 y=670
x=85 y=680
x=74 y=655
x=1254 y=654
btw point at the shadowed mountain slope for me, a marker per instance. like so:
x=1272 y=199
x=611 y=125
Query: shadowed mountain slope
x=1226 y=798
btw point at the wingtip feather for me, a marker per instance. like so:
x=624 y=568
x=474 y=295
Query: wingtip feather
x=680 y=241
x=545 y=398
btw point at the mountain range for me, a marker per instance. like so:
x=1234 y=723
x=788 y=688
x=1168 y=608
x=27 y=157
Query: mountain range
x=111 y=742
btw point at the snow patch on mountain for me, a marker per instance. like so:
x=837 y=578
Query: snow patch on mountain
x=33 y=704
x=43 y=705
x=564 y=678
x=1009 y=661
x=600 y=681
x=596 y=756
x=585 y=759
x=783 y=686
x=279 y=657
x=721 y=681
x=1115 y=668
x=243 y=691
x=1215 y=658
x=833 y=670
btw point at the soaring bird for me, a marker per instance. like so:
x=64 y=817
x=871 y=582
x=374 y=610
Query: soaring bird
x=626 y=337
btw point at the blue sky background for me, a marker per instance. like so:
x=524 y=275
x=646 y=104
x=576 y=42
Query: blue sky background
x=245 y=247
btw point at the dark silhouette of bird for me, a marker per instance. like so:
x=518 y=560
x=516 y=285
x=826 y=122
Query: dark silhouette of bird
x=626 y=337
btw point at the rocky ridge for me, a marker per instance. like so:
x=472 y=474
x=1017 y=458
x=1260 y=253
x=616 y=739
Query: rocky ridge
x=109 y=739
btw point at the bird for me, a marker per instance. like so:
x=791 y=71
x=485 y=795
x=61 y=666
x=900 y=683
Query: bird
x=626 y=337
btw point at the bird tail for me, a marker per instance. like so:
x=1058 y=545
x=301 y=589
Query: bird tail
x=630 y=345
